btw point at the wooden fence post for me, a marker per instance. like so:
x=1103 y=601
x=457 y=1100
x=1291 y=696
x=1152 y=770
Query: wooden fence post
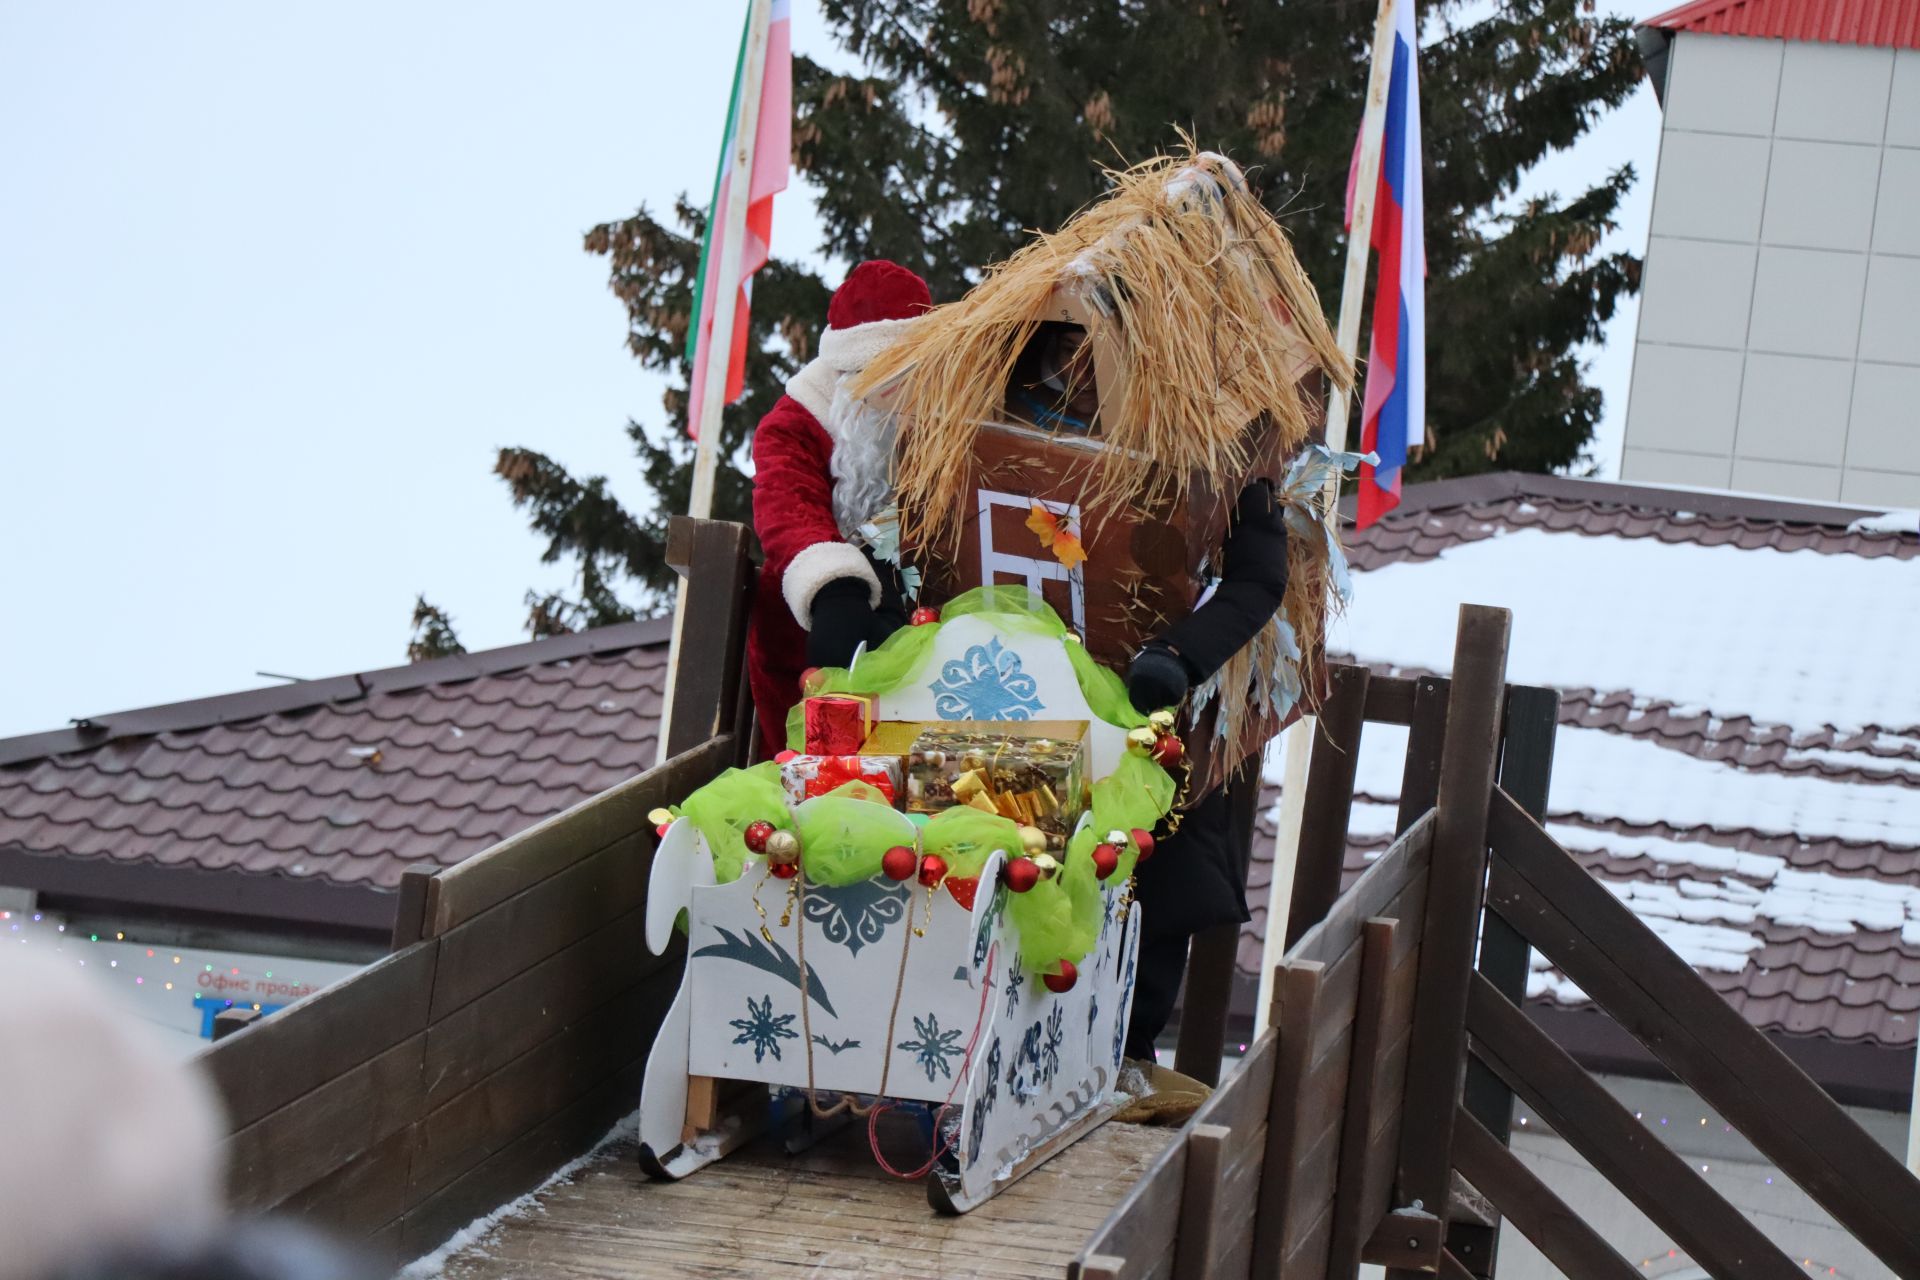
x=712 y=556
x=1526 y=772
x=1437 y=1051
x=1329 y=802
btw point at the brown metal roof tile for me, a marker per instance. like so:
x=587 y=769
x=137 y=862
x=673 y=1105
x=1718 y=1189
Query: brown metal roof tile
x=470 y=750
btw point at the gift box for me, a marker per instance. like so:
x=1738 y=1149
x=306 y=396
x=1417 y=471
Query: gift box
x=805 y=777
x=1032 y=771
x=837 y=723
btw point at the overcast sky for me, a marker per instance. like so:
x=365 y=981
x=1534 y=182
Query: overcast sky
x=277 y=280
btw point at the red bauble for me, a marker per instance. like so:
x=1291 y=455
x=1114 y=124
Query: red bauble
x=1167 y=751
x=1062 y=982
x=933 y=869
x=757 y=833
x=899 y=862
x=924 y=615
x=1143 y=841
x=963 y=888
x=781 y=757
x=784 y=870
x=1106 y=860
x=661 y=830
x=1020 y=874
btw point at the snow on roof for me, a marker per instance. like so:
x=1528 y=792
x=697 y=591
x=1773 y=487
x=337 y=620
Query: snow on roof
x=1738 y=757
x=1790 y=637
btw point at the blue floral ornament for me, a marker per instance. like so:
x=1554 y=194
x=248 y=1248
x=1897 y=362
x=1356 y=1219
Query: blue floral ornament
x=933 y=1047
x=856 y=914
x=985 y=683
x=761 y=1029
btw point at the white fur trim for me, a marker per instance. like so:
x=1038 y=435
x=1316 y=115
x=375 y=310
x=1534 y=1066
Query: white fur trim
x=818 y=565
x=855 y=347
x=813 y=388
x=842 y=351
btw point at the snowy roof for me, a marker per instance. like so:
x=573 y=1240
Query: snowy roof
x=1739 y=748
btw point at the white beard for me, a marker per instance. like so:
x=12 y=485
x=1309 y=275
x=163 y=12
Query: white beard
x=862 y=462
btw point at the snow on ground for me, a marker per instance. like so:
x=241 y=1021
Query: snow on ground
x=434 y=1265
x=1789 y=637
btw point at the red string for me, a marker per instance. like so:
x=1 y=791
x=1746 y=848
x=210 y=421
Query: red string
x=940 y=1147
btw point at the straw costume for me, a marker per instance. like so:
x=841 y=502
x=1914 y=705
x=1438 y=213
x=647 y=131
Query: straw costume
x=821 y=470
x=1170 y=337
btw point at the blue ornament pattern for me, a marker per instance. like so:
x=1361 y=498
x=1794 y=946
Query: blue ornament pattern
x=762 y=1029
x=855 y=915
x=1014 y=979
x=985 y=683
x=1050 y=1049
x=1023 y=1073
x=932 y=1047
x=983 y=1104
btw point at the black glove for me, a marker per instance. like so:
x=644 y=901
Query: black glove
x=842 y=619
x=1157 y=677
x=1253 y=582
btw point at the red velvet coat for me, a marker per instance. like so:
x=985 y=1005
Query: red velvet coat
x=792 y=512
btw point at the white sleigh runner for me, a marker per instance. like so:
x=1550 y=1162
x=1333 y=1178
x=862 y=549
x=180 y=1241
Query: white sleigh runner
x=881 y=991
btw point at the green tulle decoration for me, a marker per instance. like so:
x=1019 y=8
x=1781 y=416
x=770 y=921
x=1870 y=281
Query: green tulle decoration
x=724 y=808
x=966 y=837
x=1014 y=610
x=845 y=833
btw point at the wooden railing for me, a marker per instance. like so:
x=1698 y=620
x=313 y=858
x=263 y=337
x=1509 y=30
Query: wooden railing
x=508 y=1029
x=1370 y=1122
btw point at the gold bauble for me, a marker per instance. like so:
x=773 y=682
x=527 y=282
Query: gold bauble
x=660 y=817
x=1142 y=739
x=1048 y=864
x=1033 y=840
x=783 y=847
x=1162 y=720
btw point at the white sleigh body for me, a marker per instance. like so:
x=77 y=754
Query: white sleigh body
x=954 y=1016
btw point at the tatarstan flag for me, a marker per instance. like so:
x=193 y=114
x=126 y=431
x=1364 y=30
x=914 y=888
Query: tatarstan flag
x=772 y=131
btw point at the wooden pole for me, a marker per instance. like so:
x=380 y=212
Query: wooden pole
x=713 y=396
x=1913 y=1122
x=1297 y=744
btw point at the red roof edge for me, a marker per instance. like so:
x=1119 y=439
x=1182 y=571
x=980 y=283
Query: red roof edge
x=199 y=713
x=1883 y=24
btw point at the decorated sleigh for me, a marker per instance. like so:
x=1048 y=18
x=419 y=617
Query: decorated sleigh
x=962 y=965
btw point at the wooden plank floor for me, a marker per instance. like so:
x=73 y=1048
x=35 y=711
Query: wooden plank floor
x=830 y=1211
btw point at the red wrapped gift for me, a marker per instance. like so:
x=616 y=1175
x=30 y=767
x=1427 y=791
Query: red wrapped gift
x=837 y=723
x=807 y=776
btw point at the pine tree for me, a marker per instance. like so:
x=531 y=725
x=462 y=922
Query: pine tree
x=433 y=634
x=977 y=121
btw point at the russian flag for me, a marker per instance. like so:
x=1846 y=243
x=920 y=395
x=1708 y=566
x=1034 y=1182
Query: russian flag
x=1394 y=411
x=772 y=160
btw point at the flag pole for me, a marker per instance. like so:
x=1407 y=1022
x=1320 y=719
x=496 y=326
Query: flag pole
x=719 y=338
x=1297 y=743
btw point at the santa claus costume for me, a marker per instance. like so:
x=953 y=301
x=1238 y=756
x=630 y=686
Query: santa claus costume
x=821 y=472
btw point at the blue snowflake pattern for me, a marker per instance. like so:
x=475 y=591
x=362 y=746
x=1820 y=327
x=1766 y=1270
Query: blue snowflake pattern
x=985 y=683
x=983 y=1104
x=1024 y=1071
x=1050 y=1051
x=933 y=1047
x=856 y=914
x=762 y=1029
x=1014 y=979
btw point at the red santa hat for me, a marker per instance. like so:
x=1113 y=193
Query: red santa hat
x=868 y=312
